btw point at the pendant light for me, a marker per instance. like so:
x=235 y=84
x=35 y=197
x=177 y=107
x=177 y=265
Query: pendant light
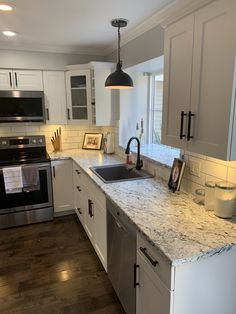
x=119 y=79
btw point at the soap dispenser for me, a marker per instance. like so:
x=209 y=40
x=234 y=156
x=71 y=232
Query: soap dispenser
x=109 y=144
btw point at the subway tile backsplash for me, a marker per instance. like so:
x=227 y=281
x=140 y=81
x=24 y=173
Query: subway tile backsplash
x=211 y=169
x=72 y=135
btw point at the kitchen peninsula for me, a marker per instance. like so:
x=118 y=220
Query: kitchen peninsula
x=193 y=245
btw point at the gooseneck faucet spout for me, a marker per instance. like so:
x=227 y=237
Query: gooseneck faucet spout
x=139 y=162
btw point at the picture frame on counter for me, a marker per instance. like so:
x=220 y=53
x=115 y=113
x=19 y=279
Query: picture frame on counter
x=92 y=141
x=176 y=174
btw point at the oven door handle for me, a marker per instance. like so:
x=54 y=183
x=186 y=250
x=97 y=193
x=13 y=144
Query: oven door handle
x=39 y=166
x=25 y=190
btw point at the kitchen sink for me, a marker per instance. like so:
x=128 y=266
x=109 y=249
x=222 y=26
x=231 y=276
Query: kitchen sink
x=119 y=172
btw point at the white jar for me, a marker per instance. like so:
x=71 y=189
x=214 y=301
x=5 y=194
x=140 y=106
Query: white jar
x=224 y=199
x=210 y=195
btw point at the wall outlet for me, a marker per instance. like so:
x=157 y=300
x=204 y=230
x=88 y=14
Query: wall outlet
x=195 y=168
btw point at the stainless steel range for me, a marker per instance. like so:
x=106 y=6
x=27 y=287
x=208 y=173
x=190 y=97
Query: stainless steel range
x=25 y=181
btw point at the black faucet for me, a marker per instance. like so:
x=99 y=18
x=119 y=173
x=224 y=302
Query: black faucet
x=139 y=162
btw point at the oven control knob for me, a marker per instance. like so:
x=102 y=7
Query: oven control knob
x=34 y=141
x=4 y=142
x=40 y=141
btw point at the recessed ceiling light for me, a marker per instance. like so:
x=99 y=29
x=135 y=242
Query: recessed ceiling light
x=9 y=33
x=5 y=7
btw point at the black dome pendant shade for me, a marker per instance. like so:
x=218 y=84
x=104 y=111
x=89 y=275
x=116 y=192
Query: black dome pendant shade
x=119 y=79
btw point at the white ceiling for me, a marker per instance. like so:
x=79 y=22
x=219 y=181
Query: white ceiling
x=81 y=26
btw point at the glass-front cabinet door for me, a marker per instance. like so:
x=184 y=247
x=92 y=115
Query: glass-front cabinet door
x=79 y=96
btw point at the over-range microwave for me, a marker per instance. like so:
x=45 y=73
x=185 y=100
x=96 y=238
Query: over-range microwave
x=22 y=106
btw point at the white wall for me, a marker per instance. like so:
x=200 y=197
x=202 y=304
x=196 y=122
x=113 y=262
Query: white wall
x=42 y=60
x=133 y=107
x=145 y=47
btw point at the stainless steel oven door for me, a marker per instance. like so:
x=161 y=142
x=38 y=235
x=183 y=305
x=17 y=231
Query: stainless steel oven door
x=42 y=198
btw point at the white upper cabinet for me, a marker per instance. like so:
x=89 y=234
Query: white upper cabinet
x=25 y=80
x=200 y=82
x=102 y=98
x=88 y=101
x=28 y=80
x=5 y=79
x=55 y=97
x=78 y=84
x=213 y=78
x=177 y=78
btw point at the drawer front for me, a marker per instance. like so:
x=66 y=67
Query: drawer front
x=82 y=179
x=156 y=262
x=77 y=172
x=80 y=215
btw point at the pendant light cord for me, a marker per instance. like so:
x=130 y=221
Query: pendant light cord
x=119 y=44
x=119 y=62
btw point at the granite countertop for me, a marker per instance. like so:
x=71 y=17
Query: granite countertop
x=181 y=230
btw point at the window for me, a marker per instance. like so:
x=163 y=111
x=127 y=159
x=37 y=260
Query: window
x=155 y=108
x=141 y=109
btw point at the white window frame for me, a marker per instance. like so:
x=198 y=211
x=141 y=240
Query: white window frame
x=151 y=100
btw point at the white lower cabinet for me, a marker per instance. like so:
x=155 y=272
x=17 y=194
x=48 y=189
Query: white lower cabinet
x=90 y=207
x=62 y=180
x=89 y=217
x=205 y=286
x=152 y=296
x=80 y=202
x=153 y=290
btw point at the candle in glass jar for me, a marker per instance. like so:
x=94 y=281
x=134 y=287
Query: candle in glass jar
x=224 y=199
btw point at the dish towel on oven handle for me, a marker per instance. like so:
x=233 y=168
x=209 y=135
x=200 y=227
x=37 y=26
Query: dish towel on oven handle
x=13 y=180
x=30 y=175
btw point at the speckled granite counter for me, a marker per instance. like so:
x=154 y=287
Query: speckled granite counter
x=181 y=230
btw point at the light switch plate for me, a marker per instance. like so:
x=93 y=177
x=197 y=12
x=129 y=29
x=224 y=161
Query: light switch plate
x=195 y=168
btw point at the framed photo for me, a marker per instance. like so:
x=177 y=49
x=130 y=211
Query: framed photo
x=176 y=174
x=92 y=141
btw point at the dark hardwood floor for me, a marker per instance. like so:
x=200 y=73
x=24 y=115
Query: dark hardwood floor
x=52 y=268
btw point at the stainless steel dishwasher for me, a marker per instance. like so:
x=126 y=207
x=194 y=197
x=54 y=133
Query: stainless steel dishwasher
x=121 y=246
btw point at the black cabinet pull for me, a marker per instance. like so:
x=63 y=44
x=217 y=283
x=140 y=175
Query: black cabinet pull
x=10 y=79
x=78 y=188
x=54 y=172
x=144 y=251
x=181 y=135
x=16 y=80
x=190 y=115
x=79 y=210
x=135 y=275
x=90 y=208
x=77 y=171
x=68 y=113
x=47 y=110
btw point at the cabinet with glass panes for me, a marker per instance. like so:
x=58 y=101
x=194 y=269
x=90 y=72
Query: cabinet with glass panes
x=88 y=101
x=79 y=109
